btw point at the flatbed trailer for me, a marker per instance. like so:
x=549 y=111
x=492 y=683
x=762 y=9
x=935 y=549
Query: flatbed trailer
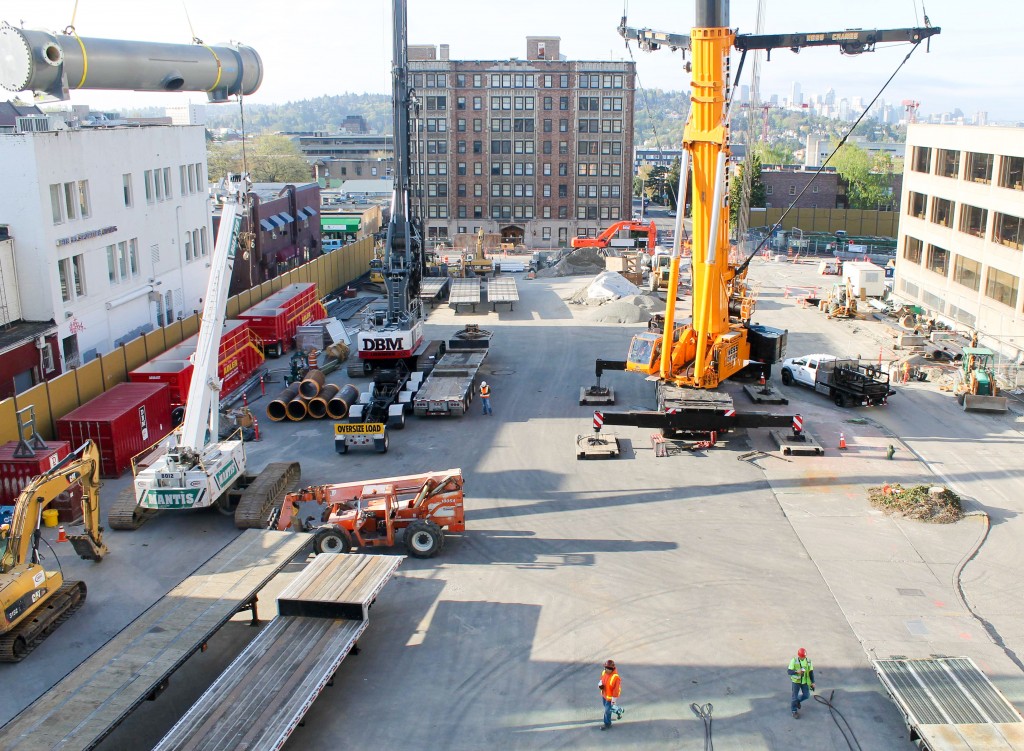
x=950 y=705
x=262 y=696
x=92 y=700
x=432 y=289
x=449 y=389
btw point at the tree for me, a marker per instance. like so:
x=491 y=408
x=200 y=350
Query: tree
x=867 y=187
x=672 y=184
x=757 y=191
x=268 y=158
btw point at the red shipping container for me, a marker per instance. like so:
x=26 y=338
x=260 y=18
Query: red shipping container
x=177 y=374
x=17 y=472
x=276 y=319
x=123 y=421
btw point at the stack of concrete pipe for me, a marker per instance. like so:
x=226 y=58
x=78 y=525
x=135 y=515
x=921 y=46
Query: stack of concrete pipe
x=311 y=397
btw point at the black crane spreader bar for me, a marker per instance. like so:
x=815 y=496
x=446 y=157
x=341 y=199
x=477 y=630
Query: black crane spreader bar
x=697 y=420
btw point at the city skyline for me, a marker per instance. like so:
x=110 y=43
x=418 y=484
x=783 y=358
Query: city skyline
x=959 y=71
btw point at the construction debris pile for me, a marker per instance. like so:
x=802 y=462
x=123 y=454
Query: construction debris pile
x=934 y=504
x=616 y=299
x=576 y=263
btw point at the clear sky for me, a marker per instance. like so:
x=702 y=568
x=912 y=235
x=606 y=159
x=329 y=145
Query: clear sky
x=315 y=47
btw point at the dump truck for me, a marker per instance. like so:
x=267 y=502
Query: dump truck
x=845 y=382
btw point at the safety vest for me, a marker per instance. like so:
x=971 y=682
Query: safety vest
x=485 y=392
x=795 y=664
x=611 y=684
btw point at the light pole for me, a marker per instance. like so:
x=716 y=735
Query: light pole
x=643 y=194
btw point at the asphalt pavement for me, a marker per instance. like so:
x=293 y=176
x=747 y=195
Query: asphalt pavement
x=699 y=573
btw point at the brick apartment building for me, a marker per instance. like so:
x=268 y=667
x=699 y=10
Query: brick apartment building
x=539 y=150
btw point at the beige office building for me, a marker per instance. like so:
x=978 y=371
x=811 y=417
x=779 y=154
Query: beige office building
x=961 y=232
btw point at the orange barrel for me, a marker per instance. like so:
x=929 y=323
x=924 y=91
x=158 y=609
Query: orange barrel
x=311 y=384
x=337 y=407
x=277 y=410
x=317 y=406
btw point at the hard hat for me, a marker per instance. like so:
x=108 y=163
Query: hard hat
x=801 y=652
x=483 y=383
x=610 y=665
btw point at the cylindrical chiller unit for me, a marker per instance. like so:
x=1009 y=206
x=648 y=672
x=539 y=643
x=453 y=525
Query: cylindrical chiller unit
x=318 y=404
x=57 y=63
x=311 y=384
x=277 y=410
x=338 y=406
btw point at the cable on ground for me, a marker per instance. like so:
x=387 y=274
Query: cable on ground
x=703 y=711
x=841 y=722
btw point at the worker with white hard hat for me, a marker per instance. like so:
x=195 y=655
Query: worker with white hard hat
x=485 y=397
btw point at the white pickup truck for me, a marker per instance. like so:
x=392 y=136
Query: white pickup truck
x=846 y=382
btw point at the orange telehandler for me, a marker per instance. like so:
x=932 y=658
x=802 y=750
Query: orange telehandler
x=370 y=513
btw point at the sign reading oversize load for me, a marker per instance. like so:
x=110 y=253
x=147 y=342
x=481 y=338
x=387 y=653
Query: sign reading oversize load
x=276 y=319
x=238 y=358
x=369 y=434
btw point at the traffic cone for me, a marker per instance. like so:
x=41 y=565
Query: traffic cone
x=842 y=440
x=62 y=536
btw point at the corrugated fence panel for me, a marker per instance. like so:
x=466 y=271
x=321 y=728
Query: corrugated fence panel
x=189 y=326
x=63 y=395
x=37 y=397
x=90 y=381
x=8 y=421
x=173 y=335
x=155 y=344
x=135 y=353
x=114 y=371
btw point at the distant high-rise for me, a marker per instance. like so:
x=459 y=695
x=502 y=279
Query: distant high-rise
x=744 y=94
x=796 y=99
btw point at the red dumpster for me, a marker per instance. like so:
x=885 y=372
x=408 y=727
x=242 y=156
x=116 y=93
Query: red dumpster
x=123 y=421
x=17 y=472
x=177 y=374
x=275 y=319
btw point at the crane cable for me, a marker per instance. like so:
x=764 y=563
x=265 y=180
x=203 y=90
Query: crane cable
x=703 y=711
x=650 y=117
x=844 y=727
x=742 y=267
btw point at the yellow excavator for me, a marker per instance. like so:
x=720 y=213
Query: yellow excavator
x=35 y=601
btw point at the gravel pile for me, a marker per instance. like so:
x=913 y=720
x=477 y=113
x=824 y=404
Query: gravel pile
x=576 y=263
x=630 y=309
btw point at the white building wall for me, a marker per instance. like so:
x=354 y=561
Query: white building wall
x=1001 y=326
x=10 y=303
x=108 y=310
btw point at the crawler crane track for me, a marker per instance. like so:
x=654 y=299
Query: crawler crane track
x=258 y=500
x=125 y=514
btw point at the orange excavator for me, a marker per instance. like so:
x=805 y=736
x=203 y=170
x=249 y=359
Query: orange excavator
x=607 y=237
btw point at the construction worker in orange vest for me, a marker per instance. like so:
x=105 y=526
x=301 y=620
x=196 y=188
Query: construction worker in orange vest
x=611 y=687
x=485 y=397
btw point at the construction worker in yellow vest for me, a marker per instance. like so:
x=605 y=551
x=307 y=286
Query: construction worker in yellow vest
x=485 y=397
x=801 y=673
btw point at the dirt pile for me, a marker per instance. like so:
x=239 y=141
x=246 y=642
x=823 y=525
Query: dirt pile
x=629 y=309
x=576 y=263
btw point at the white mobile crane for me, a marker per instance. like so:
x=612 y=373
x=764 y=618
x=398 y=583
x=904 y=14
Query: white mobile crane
x=196 y=470
x=396 y=332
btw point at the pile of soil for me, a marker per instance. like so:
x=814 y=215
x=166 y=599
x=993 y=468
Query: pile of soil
x=629 y=309
x=917 y=503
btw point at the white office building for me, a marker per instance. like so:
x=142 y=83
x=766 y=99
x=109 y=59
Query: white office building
x=961 y=232
x=111 y=228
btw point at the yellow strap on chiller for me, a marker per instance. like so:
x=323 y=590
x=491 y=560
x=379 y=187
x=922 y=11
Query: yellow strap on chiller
x=85 y=59
x=220 y=68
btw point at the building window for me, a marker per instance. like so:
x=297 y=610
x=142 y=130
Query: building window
x=979 y=167
x=973 y=220
x=1011 y=175
x=1001 y=287
x=922 y=159
x=69 y=200
x=56 y=203
x=71 y=272
x=792 y=190
x=126 y=183
x=188 y=245
x=83 y=199
x=942 y=212
x=769 y=190
x=1008 y=231
x=183 y=179
x=938 y=260
x=563 y=191
x=912 y=248
x=112 y=264
x=167 y=182
x=967 y=272
x=948 y=163
x=918 y=204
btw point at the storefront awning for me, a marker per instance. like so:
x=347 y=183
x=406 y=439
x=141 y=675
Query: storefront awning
x=277 y=220
x=286 y=217
x=267 y=226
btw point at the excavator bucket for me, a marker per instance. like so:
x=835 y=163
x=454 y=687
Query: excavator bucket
x=979 y=403
x=87 y=548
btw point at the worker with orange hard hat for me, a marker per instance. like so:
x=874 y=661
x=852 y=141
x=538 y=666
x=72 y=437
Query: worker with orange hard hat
x=801 y=673
x=611 y=687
